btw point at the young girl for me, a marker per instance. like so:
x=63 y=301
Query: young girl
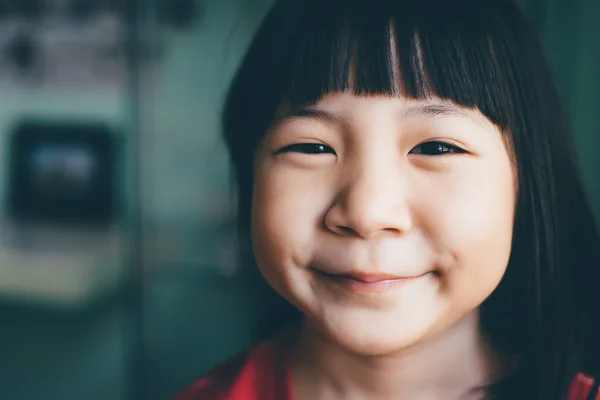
x=407 y=180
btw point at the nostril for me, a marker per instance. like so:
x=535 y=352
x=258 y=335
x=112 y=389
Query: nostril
x=392 y=230
x=347 y=231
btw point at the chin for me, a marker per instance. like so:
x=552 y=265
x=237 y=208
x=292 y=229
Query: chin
x=369 y=337
x=372 y=343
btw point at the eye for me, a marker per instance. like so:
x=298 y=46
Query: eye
x=307 y=148
x=436 y=148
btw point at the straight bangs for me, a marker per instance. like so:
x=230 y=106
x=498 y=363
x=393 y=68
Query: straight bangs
x=410 y=51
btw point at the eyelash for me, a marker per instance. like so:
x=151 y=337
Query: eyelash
x=307 y=148
x=434 y=148
x=442 y=148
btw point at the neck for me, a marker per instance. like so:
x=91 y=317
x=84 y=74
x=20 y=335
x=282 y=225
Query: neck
x=451 y=364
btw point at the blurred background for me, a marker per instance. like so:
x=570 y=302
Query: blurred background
x=117 y=239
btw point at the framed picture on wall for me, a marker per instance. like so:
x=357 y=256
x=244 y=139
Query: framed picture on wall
x=62 y=172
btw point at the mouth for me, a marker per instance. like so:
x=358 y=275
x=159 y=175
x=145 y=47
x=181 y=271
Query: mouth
x=366 y=282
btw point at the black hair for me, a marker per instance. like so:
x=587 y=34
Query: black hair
x=478 y=54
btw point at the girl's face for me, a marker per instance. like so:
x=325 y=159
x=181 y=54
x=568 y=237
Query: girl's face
x=384 y=220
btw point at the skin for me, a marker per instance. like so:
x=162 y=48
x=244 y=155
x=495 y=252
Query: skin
x=422 y=191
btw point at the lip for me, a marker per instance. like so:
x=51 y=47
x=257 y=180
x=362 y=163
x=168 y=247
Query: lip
x=367 y=282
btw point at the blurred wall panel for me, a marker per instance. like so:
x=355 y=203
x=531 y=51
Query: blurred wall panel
x=195 y=313
x=571 y=35
x=189 y=202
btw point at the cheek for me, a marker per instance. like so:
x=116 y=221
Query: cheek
x=472 y=222
x=285 y=212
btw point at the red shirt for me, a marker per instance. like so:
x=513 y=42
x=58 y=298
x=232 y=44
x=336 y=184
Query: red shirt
x=264 y=373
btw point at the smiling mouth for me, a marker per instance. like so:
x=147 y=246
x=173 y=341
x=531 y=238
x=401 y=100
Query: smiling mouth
x=366 y=282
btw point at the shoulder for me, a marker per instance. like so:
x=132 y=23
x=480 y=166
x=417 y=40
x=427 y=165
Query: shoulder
x=584 y=387
x=259 y=373
x=218 y=383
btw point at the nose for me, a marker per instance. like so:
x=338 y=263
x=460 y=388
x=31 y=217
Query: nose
x=371 y=203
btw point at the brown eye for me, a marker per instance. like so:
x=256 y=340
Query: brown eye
x=436 y=148
x=307 y=148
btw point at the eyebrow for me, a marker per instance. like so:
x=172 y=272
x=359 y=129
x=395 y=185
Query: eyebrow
x=311 y=113
x=428 y=112
x=431 y=111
